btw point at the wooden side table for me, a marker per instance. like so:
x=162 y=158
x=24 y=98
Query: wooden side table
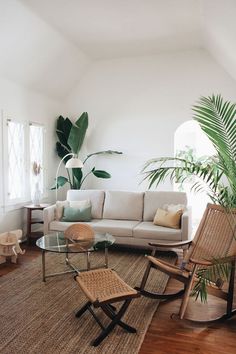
x=32 y=220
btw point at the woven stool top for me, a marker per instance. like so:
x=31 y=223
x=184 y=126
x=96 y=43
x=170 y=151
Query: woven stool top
x=104 y=285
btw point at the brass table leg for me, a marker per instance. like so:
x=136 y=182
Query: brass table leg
x=88 y=260
x=43 y=265
x=106 y=257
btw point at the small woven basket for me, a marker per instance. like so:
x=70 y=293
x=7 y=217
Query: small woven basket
x=80 y=232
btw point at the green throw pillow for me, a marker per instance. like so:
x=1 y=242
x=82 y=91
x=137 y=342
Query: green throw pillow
x=77 y=214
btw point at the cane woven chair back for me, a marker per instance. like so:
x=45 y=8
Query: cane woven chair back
x=215 y=236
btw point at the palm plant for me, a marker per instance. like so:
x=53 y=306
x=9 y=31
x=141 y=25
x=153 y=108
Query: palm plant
x=70 y=140
x=215 y=175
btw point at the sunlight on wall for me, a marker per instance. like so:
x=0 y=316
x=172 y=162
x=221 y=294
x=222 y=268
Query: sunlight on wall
x=190 y=134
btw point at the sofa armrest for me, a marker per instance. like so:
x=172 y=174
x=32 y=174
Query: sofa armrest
x=48 y=216
x=186 y=224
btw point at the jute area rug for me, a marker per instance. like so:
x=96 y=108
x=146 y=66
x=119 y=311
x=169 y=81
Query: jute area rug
x=39 y=318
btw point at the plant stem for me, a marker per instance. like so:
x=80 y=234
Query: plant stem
x=86 y=159
x=85 y=177
x=69 y=178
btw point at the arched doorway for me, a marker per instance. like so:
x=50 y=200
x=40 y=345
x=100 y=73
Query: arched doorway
x=189 y=137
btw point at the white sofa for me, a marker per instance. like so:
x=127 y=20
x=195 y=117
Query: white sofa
x=126 y=215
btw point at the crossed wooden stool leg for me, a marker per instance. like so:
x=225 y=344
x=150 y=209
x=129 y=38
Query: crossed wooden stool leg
x=103 y=287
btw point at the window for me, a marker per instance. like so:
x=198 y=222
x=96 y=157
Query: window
x=36 y=133
x=189 y=135
x=16 y=160
x=23 y=145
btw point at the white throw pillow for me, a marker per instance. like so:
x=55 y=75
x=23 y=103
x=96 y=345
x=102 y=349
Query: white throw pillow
x=174 y=208
x=80 y=203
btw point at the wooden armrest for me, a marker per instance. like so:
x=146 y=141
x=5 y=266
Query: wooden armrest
x=214 y=261
x=227 y=259
x=171 y=245
x=201 y=262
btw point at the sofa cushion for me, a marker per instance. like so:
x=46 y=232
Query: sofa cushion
x=123 y=205
x=116 y=227
x=147 y=230
x=154 y=200
x=95 y=196
x=63 y=225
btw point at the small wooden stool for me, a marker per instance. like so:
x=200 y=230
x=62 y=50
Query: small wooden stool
x=103 y=287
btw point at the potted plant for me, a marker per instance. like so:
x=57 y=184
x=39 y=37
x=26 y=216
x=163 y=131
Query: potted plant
x=215 y=174
x=70 y=140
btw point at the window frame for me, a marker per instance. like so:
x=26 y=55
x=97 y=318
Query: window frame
x=7 y=200
x=44 y=169
x=16 y=203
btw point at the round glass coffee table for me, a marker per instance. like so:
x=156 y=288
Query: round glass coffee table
x=56 y=242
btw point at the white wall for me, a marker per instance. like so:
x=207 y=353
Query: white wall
x=136 y=104
x=36 y=55
x=219 y=30
x=27 y=105
x=35 y=58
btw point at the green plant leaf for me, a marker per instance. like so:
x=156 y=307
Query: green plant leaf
x=61 y=181
x=74 y=139
x=78 y=174
x=82 y=124
x=217 y=274
x=104 y=152
x=101 y=174
x=63 y=128
x=77 y=133
x=217 y=120
x=62 y=151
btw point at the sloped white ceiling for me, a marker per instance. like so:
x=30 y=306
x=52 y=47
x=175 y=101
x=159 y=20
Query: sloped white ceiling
x=33 y=54
x=48 y=45
x=117 y=28
x=219 y=26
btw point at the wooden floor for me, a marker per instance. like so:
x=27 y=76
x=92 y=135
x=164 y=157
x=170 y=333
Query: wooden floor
x=166 y=335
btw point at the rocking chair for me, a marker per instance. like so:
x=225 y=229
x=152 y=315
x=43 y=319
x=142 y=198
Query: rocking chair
x=214 y=240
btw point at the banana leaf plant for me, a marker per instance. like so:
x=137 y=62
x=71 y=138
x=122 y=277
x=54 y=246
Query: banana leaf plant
x=70 y=140
x=216 y=175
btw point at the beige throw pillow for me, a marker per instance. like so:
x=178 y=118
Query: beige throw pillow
x=59 y=209
x=168 y=218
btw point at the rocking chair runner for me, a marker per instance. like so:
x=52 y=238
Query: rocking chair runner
x=214 y=239
x=103 y=287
